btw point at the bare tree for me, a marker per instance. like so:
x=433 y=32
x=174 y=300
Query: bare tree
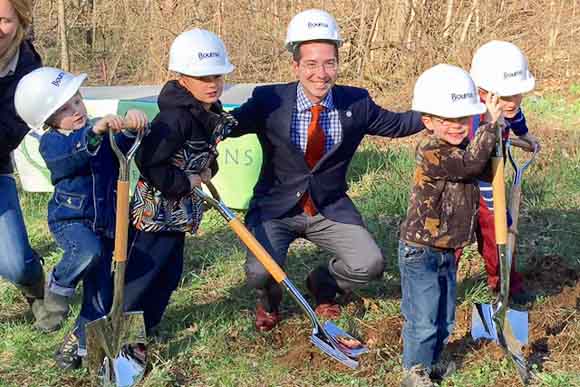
x=64 y=57
x=387 y=43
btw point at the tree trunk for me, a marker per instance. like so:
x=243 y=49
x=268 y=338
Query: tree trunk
x=448 y=17
x=93 y=25
x=64 y=58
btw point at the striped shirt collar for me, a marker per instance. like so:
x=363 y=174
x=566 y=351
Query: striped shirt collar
x=303 y=103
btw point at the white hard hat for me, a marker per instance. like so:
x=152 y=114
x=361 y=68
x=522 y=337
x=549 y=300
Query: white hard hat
x=446 y=91
x=42 y=92
x=312 y=24
x=502 y=68
x=199 y=53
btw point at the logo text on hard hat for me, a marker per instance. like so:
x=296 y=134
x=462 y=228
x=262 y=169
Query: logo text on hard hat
x=458 y=97
x=207 y=55
x=317 y=25
x=507 y=75
x=58 y=79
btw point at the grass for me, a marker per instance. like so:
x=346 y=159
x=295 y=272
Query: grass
x=560 y=109
x=212 y=341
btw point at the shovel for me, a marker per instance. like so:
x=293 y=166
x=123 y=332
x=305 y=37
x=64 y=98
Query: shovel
x=329 y=338
x=507 y=327
x=116 y=342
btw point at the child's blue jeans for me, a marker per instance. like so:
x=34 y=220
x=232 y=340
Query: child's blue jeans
x=428 y=283
x=81 y=247
x=97 y=292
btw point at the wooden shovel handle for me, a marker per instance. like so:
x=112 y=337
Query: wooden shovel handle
x=499 y=200
x=122 y=222
x=256 y=248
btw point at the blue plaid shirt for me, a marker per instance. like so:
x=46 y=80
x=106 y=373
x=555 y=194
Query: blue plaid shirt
x=301 y=115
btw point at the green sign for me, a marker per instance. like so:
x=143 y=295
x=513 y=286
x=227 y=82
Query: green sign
x=240 y=159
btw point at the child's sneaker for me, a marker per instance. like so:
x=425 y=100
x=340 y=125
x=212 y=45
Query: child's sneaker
x=67 y=356
x=416 y=376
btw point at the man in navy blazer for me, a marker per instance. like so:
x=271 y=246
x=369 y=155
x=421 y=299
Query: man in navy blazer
x=280 y=115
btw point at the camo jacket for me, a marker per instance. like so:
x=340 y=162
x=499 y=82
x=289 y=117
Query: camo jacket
x=444 y=199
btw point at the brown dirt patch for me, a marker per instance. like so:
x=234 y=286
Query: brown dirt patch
x=554 y=340
x=301 y=353
x=549 y=274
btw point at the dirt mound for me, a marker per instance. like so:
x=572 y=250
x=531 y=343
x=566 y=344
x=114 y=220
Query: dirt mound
x=301 y=353
x=554 y=322
x=553 y=339
x=549 y=274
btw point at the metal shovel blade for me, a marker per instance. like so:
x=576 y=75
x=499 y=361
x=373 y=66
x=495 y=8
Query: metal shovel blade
x=325 y=347
x=334 y=332
x=483 y=324
x=511 y=334
x=328 y=337
x=116 y=343
x=122 y=362
x=513 y=347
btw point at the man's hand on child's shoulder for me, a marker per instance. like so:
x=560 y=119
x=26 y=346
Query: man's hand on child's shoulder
x=223 y=124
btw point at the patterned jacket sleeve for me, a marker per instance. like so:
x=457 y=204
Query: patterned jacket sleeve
x=456 y=163
x=155 y=152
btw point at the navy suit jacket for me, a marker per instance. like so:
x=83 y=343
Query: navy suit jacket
x=285 y=176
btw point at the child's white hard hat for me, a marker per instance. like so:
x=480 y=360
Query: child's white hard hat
x=199 y=53
x=42 y=92
x=502 y=68
x=446 y=91
x=312 y=24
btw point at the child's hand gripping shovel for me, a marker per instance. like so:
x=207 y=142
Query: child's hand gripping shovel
x=507 y=327
x=329 y=338
x=116 y=342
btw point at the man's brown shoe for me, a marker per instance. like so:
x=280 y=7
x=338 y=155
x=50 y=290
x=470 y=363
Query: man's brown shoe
x=328 y=311
x=266 y=321
x=326 y=307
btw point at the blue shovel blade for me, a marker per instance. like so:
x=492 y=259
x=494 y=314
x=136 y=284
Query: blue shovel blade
x=483 y=325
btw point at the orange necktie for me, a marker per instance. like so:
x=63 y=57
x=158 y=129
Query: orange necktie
x=314 y=152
